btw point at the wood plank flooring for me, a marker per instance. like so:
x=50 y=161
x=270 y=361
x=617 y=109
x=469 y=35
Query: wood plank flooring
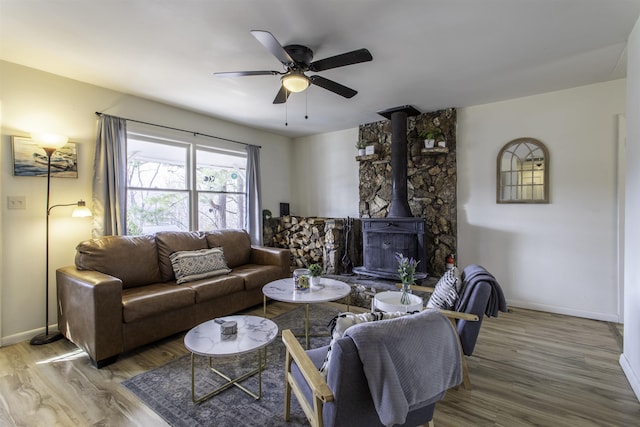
x=529 y=369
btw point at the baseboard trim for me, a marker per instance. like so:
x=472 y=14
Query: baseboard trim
x=633 y=379
x=25 y=336
x=607 y=317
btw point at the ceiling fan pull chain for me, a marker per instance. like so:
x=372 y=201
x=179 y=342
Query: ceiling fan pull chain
x=306 y=104
x=286 y=113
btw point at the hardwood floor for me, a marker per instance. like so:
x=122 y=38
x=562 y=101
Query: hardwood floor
x=529 y=369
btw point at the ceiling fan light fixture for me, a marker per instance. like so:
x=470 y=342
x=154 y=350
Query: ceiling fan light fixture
x=295 y=82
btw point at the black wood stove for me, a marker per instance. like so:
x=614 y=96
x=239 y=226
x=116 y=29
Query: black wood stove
x=399 y=231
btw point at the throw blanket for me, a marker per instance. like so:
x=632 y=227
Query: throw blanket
x=471 y=276
x=408 y=361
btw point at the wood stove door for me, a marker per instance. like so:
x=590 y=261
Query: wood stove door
x=381 y=248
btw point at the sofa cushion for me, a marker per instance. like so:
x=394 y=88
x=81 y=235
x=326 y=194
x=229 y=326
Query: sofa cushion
x=214 y=287
x=174 y=241
x=132 y=259
x=236 y=245
x=256 y=276
x=195 y=265
x=142 y=302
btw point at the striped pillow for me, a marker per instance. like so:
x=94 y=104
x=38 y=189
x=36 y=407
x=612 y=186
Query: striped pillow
x=200 y=264
x=446 y=291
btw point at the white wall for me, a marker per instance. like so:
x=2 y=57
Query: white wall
x=326 y=175
x=34 y=100
x=557 y=257
x=630 y=359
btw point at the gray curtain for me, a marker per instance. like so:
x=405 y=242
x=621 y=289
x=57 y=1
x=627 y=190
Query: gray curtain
x=254 y=211
x=110 y=177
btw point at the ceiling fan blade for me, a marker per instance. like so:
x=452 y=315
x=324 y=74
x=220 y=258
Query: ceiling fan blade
x=282 y=96
x=353 y=57
x=273 y=45
x=247 y=73
x=333 y=86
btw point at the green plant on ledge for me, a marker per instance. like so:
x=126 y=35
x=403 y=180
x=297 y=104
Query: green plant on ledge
x=361 y=145
x=315 y=270
x=431 y=134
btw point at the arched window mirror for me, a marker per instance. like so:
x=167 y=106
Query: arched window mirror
x=523 y=172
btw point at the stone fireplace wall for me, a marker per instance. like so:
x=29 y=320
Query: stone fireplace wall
x=431 y=180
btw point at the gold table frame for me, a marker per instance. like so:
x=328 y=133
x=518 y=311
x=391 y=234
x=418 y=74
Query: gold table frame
x=262 y=362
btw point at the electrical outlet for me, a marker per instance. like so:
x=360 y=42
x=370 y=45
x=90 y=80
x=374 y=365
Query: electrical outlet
x=16 y=202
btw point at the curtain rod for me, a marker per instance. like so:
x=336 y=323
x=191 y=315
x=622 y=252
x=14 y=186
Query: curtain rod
x=182 y=130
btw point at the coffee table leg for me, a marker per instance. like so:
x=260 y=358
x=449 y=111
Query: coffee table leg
x=230 y=381
x=306 y=324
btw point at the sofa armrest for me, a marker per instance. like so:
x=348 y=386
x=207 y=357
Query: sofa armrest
x=90 y=312
x=266 y=255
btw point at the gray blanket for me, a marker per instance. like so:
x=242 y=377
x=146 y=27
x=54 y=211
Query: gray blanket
x=472 y=275
x=408 y=361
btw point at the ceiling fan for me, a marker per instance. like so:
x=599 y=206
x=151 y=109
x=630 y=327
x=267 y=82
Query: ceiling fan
x=296 y=60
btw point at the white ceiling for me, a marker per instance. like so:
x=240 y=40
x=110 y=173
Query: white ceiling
x=431 y=54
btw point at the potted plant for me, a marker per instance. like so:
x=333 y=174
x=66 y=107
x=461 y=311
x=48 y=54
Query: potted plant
x=315 y=270
x=361 y=146
x=430 y=137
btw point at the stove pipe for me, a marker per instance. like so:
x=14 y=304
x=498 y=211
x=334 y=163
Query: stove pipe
x=399 y=198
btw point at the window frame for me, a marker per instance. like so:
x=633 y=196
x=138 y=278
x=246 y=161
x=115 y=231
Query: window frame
x=191 y=188
x=511 y=147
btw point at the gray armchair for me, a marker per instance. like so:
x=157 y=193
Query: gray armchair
x=358 y=393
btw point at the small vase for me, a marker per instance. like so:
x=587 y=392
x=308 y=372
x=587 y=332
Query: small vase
x=405 y=298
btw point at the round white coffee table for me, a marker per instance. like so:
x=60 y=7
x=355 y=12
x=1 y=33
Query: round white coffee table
x=389 y=302
x=283 y=290
x=253 y=334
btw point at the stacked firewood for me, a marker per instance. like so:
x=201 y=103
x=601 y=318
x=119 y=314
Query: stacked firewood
x=304 y=237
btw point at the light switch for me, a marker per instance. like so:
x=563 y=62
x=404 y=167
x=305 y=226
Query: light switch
x=16 y=202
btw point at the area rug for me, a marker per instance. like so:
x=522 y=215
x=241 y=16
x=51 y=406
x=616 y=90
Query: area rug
x=167 y=389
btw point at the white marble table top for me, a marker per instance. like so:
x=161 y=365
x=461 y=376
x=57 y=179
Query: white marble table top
x=390 y=302
x=254 y=332
x=327 y=290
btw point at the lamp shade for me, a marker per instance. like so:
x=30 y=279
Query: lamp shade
x=81 y=211
x=49 y=140
x=295 y=82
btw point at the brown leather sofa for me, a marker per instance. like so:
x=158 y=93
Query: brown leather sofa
x=122 y=292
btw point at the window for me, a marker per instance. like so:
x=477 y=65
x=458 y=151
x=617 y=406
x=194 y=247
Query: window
x=181 y=185
x=523 y=172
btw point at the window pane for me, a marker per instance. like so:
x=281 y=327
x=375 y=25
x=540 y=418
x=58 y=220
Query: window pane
x=156 y=165
x=149 y=211
x=219 y=211
x=220 y=172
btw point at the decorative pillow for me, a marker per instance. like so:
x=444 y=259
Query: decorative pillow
x=447 y=290
x=195 y=265
x=343 y=321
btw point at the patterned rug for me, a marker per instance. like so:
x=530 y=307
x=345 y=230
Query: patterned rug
x=167 y=389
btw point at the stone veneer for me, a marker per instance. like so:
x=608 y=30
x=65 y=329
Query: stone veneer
x=431 y=181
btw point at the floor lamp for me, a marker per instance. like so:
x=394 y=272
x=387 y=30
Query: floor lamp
x=50 y=143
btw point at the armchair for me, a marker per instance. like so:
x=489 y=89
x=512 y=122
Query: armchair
x=354 y=395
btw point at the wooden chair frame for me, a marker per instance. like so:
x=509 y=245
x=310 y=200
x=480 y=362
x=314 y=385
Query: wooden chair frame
x=319 y=387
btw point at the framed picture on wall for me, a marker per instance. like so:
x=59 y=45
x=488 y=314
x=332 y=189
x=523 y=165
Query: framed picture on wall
x=29 y=159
